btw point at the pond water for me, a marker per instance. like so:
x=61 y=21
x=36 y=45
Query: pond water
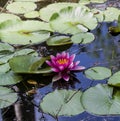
x=103 y=51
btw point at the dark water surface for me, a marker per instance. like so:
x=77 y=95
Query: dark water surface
x=104 y=51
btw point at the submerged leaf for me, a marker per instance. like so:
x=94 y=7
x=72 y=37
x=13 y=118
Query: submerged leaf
x=62 y=102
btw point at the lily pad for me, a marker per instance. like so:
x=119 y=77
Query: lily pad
x=114 y=80
x=98 y=73
x=73 y=20
x=24 y=32
x=82 y=38
x=9 y=78
x=21 y=7
x=4 y=68
x=58 y=40
x=7 y=97
x=32 y=14
x=111 y=14
x=4 y=47
x=27 y=0
x=62 y=102
x=100 y=100
x=91 y=1
x=6 y=16
x=46 y=12
x=21 y=64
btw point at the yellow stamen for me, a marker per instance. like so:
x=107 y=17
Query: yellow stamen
x=62 y=61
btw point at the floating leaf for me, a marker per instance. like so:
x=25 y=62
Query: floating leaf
x=82 y=38
x=91 y=1
x=62 y=102
x=32 y=14
x=4 y=67
x=6 y=47
x=73 y=20
x=114 y=80
x=7 y=97
x=21 y=64
x=9 y=78
x=111 y=14
x=6 y=16
x=21 y=7
x=46 y=12
x=100 y=100
x=98 y=73
x=27 y=0
x=24 y=32
x=58 y=40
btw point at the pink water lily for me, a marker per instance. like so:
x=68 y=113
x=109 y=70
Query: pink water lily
x=63 y=64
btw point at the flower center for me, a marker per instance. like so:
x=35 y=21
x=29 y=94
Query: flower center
x=62 y=61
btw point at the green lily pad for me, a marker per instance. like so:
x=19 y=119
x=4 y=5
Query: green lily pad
x=91 y=1
x=73 y=20
x=111 y=14
x=21 y=7
x=4 y=68
x=100 y=100
x=6 y=16
x=24 y=32
x=4 y=47
x=7 y=97
x=62 y=102
x=21 y=64
x=9 y=78
x=27 y=0
x=58 y=40
x=46 y=12
x=98 y=73
x=32 y=14
x=82 y=38
x=114 y=80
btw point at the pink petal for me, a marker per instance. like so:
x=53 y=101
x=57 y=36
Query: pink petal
x=49 y=63
x=78 y=68
x=58 y=55
x=76 y=63
x=66 y=77
x=72 y=57
x=61 y=67
x=55 y=69
x=71 y=66
x=63 y=54
x=53 y=57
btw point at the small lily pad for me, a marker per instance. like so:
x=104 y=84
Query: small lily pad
x=4 y=68
x=98 y=73
x=58 y=40
x=100 y=100
x=7 y=97
x=21 y=7
x=32 y=14
x=114 y=80
x=62 y=102
x=82 y=38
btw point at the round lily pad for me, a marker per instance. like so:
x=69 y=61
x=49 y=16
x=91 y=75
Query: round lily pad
x=114 y=80
x=82 y=38
x=62 y=102
x=100 y=100
x=21 y=7
x=7 y=97
x=98 y=73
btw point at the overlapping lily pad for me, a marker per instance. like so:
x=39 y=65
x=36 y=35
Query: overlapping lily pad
x=58 y=40
x=62 y=102
x=21 y=7
x=100 y=100
x=98 y=73
x=32 y=14
x=7 y=97
x=114 y=80
x=83 y=38
x=73 y=20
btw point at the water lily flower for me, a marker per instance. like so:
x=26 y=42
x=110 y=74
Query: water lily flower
x=63 y=64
